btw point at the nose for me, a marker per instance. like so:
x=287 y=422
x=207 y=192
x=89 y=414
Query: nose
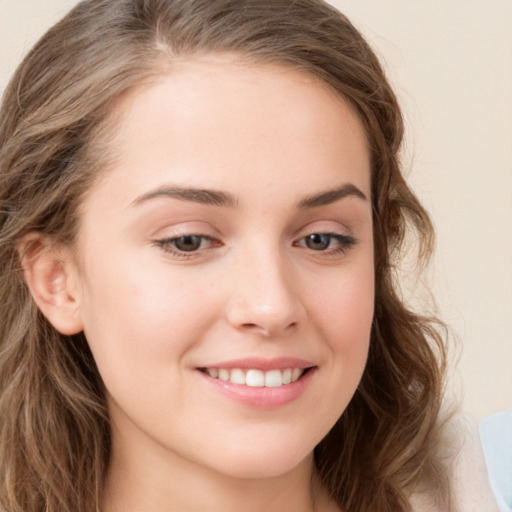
x=264 y=298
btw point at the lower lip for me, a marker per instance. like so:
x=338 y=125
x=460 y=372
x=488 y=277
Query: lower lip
x=261 y=397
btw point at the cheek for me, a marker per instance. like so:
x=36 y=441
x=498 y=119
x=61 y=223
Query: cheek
x=344 y=315
x=344 y=308
x=341 y=309
x=141 y=327
x=138 y=320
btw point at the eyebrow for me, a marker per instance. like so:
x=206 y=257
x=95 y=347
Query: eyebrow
x=331 y=196
x=220 y=198
x=196 y=195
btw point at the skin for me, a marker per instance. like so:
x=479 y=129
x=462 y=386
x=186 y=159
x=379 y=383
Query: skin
x=270 y=138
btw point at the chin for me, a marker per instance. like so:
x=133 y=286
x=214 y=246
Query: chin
x=263 y=457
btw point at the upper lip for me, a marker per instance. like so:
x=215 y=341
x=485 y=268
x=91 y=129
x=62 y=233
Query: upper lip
x=280 y=363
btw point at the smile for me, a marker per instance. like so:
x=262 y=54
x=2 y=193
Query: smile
x=255 y=377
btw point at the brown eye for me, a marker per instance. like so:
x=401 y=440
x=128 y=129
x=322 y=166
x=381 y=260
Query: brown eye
x=187 y=246
x=188 y=243
x=318 y=241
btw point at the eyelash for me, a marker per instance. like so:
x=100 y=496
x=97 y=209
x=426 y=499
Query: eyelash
x=168 y=245
x=344 y=242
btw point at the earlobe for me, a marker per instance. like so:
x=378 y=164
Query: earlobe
x=50 y=275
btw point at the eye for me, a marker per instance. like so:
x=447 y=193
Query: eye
x=186 y=245
x=327 y=242
x=318 y=241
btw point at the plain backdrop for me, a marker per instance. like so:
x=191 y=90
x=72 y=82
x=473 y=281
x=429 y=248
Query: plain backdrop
x=451 y=64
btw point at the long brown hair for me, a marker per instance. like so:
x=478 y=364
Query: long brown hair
x=54 y=426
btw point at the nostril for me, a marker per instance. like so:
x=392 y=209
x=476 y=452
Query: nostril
x=269 y=330
x=250 y=326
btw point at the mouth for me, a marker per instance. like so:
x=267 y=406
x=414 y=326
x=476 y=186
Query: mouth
x=260 y=383
x=257 y=378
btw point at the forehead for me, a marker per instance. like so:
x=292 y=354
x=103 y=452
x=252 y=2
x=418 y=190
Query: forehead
x=215 y=121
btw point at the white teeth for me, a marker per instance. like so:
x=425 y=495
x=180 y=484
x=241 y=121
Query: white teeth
x=296 y=373
x=213 y=372
x=273 y=379
x=237 y=376
x=257 y=378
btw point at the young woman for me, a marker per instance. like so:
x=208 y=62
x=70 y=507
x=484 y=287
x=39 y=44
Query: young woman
x=201 y=211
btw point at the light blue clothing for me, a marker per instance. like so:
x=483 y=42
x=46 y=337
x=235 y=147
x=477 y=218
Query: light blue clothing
x=496 y=437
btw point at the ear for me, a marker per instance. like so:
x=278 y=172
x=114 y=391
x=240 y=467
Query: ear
x=52 y=278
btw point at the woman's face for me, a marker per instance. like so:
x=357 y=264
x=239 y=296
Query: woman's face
x=227 y=253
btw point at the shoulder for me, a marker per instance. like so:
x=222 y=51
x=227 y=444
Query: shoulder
x=469 y=481
x=496 y=437
x=471 y=488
